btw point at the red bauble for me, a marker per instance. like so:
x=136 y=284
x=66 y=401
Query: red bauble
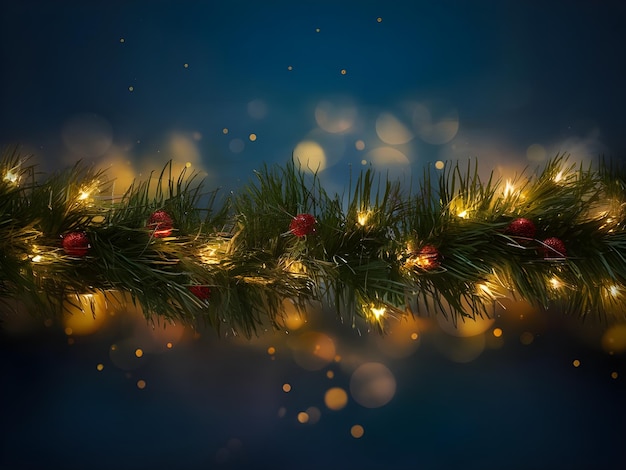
x=161 y=223
x=302 y=225
x=202 y=292
x=428 y=258
x=553 y=248
x=521 y=227
x=76 y=244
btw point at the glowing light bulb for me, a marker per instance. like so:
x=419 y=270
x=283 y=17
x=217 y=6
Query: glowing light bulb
x=11 y=176
x=378 y=312
x=509 y=189
x=556 y=283
x=362 y=218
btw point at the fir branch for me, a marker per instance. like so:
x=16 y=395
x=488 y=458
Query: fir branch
x=362 y=256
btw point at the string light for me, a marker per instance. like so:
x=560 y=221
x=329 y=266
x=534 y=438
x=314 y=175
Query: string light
x=362 y=218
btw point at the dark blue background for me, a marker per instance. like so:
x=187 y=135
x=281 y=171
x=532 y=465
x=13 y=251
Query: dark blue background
x=518 y=73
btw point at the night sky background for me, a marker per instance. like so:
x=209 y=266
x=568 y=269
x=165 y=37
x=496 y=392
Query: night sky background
x=229 y=86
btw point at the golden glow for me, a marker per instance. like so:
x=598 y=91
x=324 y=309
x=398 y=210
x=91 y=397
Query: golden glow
x=414 y=336
x=343 y=71
x=100 y=366
x=372 y=385
x=330 y=374
x=169 y=345
x=11 y=176
x=613 y=290
x=614 y=339
x=335 y=398
x=271 y=350
x=312 y=350
x=614 y=375
x=439 y=165
x=378 y=312
x=576 y=363
x=303 y=417
x=497 y=332
x=357 y=431
x=138 y=352
x=362 y=218
x=391 y=130
x=310 y=156
x=558 y=177
x=463 y=214
x=252 y=137
x=286 y=388
x=556 y=283
x=141 y=384
x=209 y=254
x=486 y=290
x=509 y=189
x=84 y=314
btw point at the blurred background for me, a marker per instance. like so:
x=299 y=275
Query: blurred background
x=225 y=87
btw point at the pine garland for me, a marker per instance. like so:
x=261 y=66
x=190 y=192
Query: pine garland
x=452 y=244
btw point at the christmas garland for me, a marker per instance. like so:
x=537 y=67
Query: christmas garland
x=453 y=243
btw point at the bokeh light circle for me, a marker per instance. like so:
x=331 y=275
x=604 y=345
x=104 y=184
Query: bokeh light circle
x=372 y=385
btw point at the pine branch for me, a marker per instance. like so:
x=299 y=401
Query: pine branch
x=445 y=246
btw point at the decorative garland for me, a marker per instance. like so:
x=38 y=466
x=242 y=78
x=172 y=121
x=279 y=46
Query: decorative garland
x=452 y=244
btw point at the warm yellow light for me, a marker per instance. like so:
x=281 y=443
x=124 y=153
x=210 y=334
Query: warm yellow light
x=484 y=289
x=37 y=258
x=378 y=312
x=556 y=283
x=463 y=214
x=497 y=332
x=614 y=290
x=335 y=398
x=509 y=189
x=11 y=176
x=558 y=177
x=208 y=254
x=357 y=431
x=362 y=217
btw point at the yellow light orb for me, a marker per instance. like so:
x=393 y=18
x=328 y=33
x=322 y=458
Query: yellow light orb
x=335 y=398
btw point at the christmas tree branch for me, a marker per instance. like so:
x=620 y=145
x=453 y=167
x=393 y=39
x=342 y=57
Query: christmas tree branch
x=452 y=243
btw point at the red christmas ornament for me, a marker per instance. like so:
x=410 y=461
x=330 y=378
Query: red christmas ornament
x=302 y=225
x=521 y=227
x=161 y=223
x=553 y=248
x=428 y=258
x=202 y=292
x=76 y=244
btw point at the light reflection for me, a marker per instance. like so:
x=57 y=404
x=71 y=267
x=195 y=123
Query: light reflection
x=391 y=131
x=335 y=398
x=336 y=116
x=84 y=314
x=310 y=156
x=312 y=350
x=372 y=385
x=390 y=162
x=435 y=122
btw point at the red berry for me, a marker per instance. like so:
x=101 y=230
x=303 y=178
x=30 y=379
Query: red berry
x=202 y=292
x=521 y=227
x=161 y=223
x=429 y=257
x=76 y=244
x=302 y=225
x=553 y=248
